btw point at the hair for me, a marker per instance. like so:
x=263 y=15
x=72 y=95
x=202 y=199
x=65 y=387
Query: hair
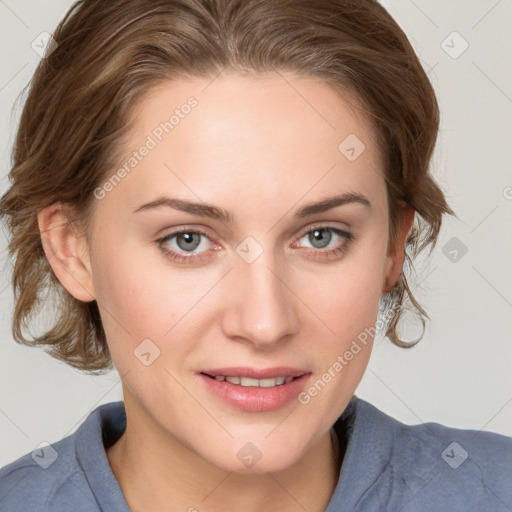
x=110 y=53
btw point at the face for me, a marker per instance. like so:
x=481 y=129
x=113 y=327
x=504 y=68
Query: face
x=206 y=315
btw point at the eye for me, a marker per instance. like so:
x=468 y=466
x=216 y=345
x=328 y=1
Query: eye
x=191 y=245
x=321 y=237
x=186 y=240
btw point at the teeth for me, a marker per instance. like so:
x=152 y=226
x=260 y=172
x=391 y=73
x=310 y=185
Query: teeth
x=249 y=382
x=267 y=383
x=246 y=381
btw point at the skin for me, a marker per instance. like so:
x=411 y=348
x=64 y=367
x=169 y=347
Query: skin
x=260 y=147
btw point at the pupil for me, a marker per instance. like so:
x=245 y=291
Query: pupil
x=189 y=239
x=319 y=235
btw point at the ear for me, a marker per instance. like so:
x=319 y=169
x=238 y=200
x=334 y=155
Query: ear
x=67 y=251
x=396 y=254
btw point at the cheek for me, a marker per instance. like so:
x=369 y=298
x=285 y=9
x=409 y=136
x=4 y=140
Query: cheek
x=349 y=294
x=348 y=304
x=130 y=283
x=131 y=306
x=140 y=300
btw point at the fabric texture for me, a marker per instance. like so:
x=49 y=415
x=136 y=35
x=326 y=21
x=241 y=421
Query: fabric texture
x=388 y=466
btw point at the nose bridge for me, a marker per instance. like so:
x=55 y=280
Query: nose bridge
x=262 y=309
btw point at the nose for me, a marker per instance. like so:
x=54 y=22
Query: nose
x=261 y=308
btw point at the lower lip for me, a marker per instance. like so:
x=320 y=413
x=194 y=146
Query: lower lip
x=256 y=399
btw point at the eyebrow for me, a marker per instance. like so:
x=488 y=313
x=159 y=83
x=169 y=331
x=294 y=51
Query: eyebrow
x=214 y=212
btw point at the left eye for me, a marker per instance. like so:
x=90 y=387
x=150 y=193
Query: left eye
x=185 y=241
x=323 y=235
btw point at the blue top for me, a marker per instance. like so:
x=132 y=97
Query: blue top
x=388 y=466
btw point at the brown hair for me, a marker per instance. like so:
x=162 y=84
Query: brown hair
x=110 y=53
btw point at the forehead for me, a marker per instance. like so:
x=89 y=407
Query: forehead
x=262 y=103
x=273 y=135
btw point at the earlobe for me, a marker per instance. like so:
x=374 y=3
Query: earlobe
x=67 y=252
x=396 y=256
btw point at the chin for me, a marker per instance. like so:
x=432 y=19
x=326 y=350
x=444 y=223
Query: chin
x=257 y=457
x=266 y=464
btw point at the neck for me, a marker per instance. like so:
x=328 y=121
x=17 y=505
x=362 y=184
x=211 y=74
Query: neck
x=154 y=469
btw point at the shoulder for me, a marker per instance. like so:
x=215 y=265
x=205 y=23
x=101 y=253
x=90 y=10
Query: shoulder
x=70 y=474
x=430 y=466
x=46 y=479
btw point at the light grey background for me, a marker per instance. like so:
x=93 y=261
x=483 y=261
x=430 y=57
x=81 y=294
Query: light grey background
x=460 y=373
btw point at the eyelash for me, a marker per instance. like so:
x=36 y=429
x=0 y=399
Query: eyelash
x=316 y=253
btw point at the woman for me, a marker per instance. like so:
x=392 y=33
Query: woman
x=288 y=143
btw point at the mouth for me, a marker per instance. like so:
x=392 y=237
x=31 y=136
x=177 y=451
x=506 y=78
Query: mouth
x=255 y=390
x=240 y=380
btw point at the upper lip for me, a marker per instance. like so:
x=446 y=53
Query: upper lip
x=256 y=373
